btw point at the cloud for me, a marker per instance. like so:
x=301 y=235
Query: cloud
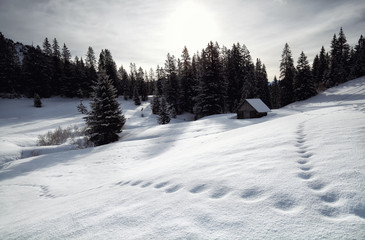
x=135 y=30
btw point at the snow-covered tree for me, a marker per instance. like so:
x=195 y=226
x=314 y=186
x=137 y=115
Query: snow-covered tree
x=105 y=120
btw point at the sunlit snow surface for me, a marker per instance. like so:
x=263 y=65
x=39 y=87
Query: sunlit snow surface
x=298 y=173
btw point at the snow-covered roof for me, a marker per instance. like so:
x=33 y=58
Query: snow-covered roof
x=259 y=105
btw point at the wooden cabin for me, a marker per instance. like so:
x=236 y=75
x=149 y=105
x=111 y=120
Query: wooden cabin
x=252 y=108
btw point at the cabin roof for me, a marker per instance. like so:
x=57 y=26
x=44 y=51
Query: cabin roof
x=257 y=104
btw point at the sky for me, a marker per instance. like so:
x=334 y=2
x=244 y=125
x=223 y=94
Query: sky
x=144 y=31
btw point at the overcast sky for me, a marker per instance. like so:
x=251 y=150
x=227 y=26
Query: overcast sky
x=144 y=31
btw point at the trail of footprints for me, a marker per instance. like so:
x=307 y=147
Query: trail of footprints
x=326 y=198
x=250 y=194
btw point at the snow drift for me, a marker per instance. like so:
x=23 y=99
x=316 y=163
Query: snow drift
x=298 y=173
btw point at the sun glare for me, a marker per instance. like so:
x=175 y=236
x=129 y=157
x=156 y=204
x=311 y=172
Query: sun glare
x=191 y=25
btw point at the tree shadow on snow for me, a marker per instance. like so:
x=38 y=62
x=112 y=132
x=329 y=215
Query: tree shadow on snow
x=41 y=162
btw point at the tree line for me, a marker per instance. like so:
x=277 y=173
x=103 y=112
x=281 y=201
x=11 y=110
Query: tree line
x=212 y=81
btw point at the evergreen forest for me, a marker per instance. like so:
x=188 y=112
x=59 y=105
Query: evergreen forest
x=212 y=81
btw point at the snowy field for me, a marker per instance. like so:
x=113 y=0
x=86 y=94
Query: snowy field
x=298 y=173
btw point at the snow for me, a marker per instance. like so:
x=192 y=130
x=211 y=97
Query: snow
x=298 y=173
x=257 y=104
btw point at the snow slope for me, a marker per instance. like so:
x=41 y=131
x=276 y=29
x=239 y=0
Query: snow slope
x=298 y=173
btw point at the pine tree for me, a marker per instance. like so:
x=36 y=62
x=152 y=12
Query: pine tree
x=210 y=99
x=262 y=83
x=287 y=74
x=141 y=84
x=358 y=66
x=234 y=76
x=47 y=48
x=56 y=49
x=155 y=105
x=171 y=88
x=9 y=66
x=303 y=82
x=37 y=73
x=320 y=69
x=66 y=54
x=37 y=101
x=136 y=99
x=164 y=115
x=187 y=82
x=107 y=65
x=105 y=119
x=275 y=94
x=250 y=87
x=90 y=60
x=339 y=64
x=123 y=83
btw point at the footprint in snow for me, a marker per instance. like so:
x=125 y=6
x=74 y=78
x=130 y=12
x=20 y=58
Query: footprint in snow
x=302 y=151
x=316 y=185
x=146 y=184
x=359 y=211
x=161 y=185
x=305 y=175
x=45 y=192
x=251 y=194
x=329 y=211
x=220 y=192
x=284 y=202
x=303 y=161
x=173 y=188
x=304 y=168
x=308 y=155
x=198 y=189
x=330 y=197
x=136 y=183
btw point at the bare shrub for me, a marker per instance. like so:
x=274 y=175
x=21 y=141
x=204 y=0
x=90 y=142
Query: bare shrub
x=59 y=136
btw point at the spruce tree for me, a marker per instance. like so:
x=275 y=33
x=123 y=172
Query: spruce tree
x=275 y=94
x=287 y=74
x=164 y=114
x=262 y=83
x=211 y=97
x=37 y=101
x=234 y=76
x=47 y=48
x=187 y=82
x=9 y=67
x=339 y=64
x=358 y=66
x=155 y=105
x=90 y=60
x=136 y=99
x=171 y=89
x=303 y=82
x=66 y=54
x=107 y=65
x=105 y=119
x=56 y=49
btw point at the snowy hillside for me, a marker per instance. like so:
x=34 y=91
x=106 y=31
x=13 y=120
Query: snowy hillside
x=298 y=173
